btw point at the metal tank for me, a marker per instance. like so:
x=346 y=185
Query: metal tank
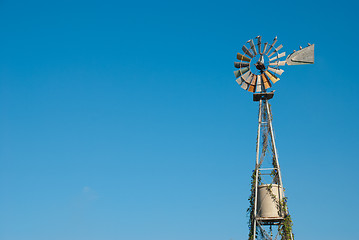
x=269 y=197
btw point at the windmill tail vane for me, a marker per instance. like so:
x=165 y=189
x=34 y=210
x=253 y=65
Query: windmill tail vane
x=258 y=69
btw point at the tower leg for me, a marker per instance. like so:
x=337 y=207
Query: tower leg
x=256 y=169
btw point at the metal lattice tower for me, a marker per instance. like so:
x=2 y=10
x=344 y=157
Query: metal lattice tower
x=270 y=210
x=258 y=70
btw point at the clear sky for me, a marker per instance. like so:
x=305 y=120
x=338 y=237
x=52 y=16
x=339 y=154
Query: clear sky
x=122 y=120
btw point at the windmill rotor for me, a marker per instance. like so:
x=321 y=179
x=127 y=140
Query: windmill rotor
x=260 y=64
x=257 y=61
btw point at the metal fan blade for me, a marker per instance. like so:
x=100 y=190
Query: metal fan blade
x=278 y=63
x=259 y=44
x=245 y=76
x=272 y=45
x=276 y=50
x=265 y=81
x=241 y=64
x=251 y=88
x=249 y=78
x=275 y=70
x=243 y=58
x=253 y=47
x=254 y=79
x=246 y=51
x=273 y=78
x=264 y=48
x=277 y=57
x=239 y=81
x=259 y=84
x=241 y=71
x=244 y=85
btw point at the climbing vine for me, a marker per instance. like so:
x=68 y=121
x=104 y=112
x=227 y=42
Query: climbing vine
x=285 y=228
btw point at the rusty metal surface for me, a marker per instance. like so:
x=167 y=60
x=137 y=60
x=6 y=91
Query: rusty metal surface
x=266 y=83
x=241 y=57
x=251 y=88
x=273 y=78
x=241 y=64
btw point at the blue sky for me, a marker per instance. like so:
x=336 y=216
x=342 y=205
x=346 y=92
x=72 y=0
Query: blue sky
x=123 y=120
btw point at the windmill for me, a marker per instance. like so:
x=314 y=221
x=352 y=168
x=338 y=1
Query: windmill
x=258 y=69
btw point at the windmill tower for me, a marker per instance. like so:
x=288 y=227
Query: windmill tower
x=259 y=68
